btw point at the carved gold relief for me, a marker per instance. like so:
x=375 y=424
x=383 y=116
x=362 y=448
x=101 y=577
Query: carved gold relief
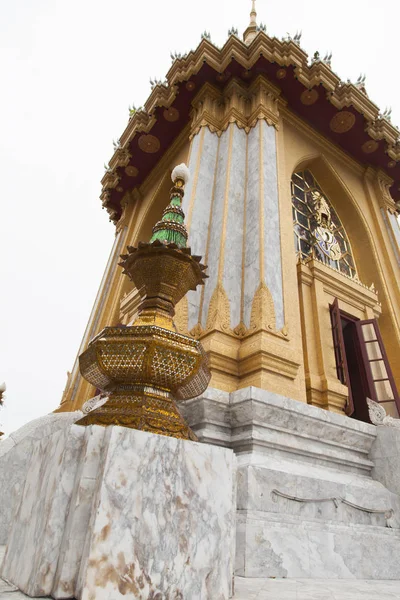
x=262 y=310
x=342 y=122
x=182 y=315
x=219 y=311
x=238 y=104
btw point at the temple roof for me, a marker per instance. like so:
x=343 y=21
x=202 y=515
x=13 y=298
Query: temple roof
x=341 y=112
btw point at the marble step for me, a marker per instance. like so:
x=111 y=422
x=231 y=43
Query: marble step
x=315 y=493
x=320 y=589
x=255 y=421
x=285 y=546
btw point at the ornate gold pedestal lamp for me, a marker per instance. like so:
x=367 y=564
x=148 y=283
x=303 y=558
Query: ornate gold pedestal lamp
x=147 y=367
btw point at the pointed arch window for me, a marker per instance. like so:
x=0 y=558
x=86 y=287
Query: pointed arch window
x=318 y=231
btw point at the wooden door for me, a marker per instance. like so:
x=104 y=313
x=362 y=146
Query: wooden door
x=340 y=354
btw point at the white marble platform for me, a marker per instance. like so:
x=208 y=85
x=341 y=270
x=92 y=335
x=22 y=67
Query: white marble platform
x=112 y=513
x=306 y=453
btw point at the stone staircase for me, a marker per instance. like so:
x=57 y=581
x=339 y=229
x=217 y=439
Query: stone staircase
x=309 y=500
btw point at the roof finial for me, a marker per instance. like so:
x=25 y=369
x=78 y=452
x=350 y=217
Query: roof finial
x=253 y=14
x=252 y=29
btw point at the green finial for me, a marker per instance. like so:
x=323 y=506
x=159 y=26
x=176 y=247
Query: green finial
x=171 y=229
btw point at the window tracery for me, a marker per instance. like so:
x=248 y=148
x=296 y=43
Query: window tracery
x=318 y=231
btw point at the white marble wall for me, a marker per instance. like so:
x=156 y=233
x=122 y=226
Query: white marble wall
x=33 y=547
x=219 y=197
x=15 y=453
x=79 y=513
x=110 y=513
x=385 y=454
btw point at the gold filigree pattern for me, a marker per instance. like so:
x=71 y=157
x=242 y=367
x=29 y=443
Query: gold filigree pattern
x=146 y=367
x=262 y=310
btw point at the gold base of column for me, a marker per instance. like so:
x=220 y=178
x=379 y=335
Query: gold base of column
x=143 y=411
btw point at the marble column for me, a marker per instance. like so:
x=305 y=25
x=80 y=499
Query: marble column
x=232 y=210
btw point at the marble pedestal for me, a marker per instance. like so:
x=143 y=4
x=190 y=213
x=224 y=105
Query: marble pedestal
x=110 y=513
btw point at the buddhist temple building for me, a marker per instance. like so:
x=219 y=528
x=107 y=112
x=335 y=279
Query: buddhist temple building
x=292 y=202
x=233 y=410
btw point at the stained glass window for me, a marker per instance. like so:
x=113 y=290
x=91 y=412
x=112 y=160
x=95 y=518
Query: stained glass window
x=305 y=190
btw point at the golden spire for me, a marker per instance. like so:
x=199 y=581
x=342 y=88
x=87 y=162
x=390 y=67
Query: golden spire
x=251 y=31
x=147 y=367
x=253 y=14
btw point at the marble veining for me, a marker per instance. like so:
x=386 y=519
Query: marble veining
x=15 y=454
x=163 y=520
x=232 y=272
x=272 y=239
x=79 y=513
x=252 y=250
x=37 y=530
x=192 y=168
x=217 y=216
x=198 y=228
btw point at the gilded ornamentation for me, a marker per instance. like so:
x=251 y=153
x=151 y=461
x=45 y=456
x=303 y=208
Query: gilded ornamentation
x=182 y=315
x=309 y=97
x=323 y=232
x=240 y=330
x=370 y=147
x=219 y=316
x=238 y=104
x=262 y=310
x=317 y=227
x=342 y=122
x=197 y=331
x=145 y=368
x=283 y=53
x=149 y=143
x=131 y=171
x=384 y=184
x=171 y=114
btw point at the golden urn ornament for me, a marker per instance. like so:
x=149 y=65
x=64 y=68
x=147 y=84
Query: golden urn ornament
x=147 y=367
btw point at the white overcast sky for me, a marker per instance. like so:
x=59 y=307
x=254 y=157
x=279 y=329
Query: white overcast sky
x=69 y=70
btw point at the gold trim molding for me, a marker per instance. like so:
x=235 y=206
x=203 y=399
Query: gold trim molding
x=236 y=103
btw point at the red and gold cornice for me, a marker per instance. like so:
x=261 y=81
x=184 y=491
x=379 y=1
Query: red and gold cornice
x=340 y=111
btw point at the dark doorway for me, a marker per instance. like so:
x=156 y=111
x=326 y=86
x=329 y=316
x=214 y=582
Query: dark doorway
x=356 y=370
x=362 y=364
